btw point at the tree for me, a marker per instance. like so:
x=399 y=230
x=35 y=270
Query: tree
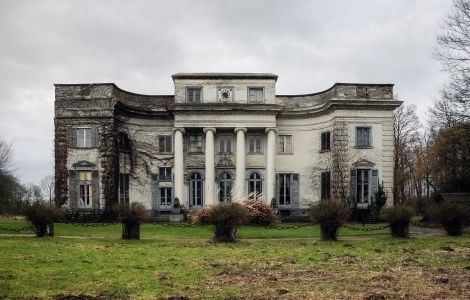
x=453 y=52
x=6 y=155
x=405 y=136
x=47 y=186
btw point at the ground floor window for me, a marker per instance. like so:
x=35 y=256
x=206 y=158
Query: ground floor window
x=85 y=189
x=166 y=196
x=195 y=189
x=225 y=187
x=124 y=189
x=285 y=189
x=362 y=189
x=255 y=186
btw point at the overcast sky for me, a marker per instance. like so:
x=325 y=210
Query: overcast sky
x=139 y=44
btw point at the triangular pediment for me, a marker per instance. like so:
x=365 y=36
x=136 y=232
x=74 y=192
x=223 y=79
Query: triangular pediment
x=363 y=163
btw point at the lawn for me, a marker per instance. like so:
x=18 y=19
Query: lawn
x=265 y=264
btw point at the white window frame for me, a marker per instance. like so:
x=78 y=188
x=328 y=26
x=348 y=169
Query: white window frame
x=196 y=190
x=85 y=199
x=168 y=145
x=283 y=144
x=252 y=140
x=225 y=140
x=166 y=198
x=369 y=144
x=167 y=173
x=255 y=181
x=84 y=137
x=199 y=140
x=257 y=101
x=193 y=88
x=360 y=190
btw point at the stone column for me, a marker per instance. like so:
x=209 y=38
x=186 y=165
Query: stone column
x=270 y=164
x=240 y=167
x=209 y=183
x=179 y=165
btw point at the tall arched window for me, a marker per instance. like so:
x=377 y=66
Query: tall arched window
x=195 y=189
x=255 y=185
x=225 y=187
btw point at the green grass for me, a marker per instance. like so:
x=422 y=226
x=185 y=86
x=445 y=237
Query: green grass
x=266 y=263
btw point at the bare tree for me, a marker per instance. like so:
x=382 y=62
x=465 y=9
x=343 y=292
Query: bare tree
x=47 y=186
x=453 y=52
x=405 y=136
x=6 y=155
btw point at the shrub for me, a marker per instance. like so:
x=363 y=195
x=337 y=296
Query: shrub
x=452 y=215
x=330 y=214
x=42 y=217
x=260 y=213
x=226 y=218
x=131 y=218
x=199 y=216
x=398 y=217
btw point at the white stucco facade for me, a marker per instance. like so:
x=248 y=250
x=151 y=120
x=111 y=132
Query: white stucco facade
x=229 y=137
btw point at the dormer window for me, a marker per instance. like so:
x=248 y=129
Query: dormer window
x=193 y=95
x=255 y=95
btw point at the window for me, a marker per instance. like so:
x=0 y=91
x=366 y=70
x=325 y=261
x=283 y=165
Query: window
x=325 y=185
x=165 y=197
x=255 y=186
x=195 y=143
x=254 y=143
x=85 y=186
x=124 y=189
x=362 y=186
x=225 y=143
x=284 y=189
x=164 y=144
x=164 y=173
x=363 y=137
x=84 y=138
x=195 y=189
x=285 y=144
x=325 y=141
x=193 y=94
x=225 y=187
x=255 y=95
x=124 y=143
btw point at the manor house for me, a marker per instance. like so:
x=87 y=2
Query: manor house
x=222 y=137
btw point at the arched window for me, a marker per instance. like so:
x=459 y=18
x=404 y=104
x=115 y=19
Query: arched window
x=195 y=189
x=225 y=187
x=255 y=185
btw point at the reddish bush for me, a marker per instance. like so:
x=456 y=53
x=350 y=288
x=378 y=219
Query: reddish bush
x=260 y=213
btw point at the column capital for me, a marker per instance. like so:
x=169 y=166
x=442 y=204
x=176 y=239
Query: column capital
x=268 y=129
x=205 y=130
x=237 y=129
x=179 y=129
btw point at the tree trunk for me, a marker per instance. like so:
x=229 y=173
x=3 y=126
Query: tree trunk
x=329 y=232
x=131 y=230
x=43 y=229
x=400 y=229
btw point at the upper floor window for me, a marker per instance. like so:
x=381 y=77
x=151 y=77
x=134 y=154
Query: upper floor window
x=84 y=137
x=363 y=137
x=164 y=173
x=195 y=142
x=255 y=95
x=225 y=143
x=193 y=94
x=254 y=143
x=124 y=143
x=325 y=141
x=284 y=144
x=164 y=144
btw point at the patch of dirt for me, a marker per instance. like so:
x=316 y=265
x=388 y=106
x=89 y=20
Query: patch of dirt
x=103 y=296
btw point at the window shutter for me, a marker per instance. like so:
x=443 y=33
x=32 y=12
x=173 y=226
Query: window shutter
x=353 y=186
x=277 y=192
x=295 y=201
x=94 y=137
x=374 y=184
x=73 y=188
x=72 y=137
x=95 y=181
x=155 y=195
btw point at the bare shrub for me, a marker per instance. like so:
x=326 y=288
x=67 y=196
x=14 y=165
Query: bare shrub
x=226 y=218
x=260 y=213
x=452 y=215
x=42 y=217
x=131 y=218
x=398 y=216
x=330 y=214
